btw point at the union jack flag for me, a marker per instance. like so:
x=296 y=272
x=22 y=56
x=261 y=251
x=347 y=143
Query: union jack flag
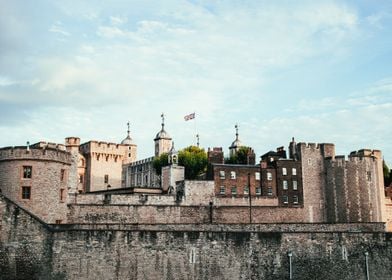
x=189 y=117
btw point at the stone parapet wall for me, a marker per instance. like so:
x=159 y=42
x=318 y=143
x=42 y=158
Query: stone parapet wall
x=40 y=153
x=29 y=249
x=147 y=214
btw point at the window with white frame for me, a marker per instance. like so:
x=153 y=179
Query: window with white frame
x=284 y=171
x=295 y=199
x=222 y=174
x=232 y=175
x=234 y=190
x=269 y=191
x=269 y=176
x=258 y=191
x=222 y=190
x=246 y=190
x=257 y=176
x=285 y=185
x=295 y=185
x=285 y=199
x=294 y=171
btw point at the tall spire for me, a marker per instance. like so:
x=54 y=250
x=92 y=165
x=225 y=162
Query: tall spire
x=128 y=131
x=236 y=131
x=163 y=121
x=197 y=137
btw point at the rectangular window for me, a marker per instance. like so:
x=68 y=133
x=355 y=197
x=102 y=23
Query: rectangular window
x=246 y=190
x=233 y=190
x=222 y=174
x=27 y=172
x=294 y=171
x=232 y=175
x=284 y=171
x=309 y=161
x=257 y=176
x=295 y=185
x=269 y=191
x=106 y=179
x=62 y=175
x=295 y=199
x=26 y=192
x=58 y=222
x=285 y=185
x=81 y=178
x=369 y=175
x=269 y=176
x=258 y=191
x=61 y=195
x=222 y=190
x=285 y=199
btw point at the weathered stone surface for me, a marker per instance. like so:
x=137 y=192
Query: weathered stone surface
x=30 y=249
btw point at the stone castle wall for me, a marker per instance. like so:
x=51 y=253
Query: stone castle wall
x=106 y=159
x=354 y=188
x=49 y=192
x=312 y=160
x=31 y=250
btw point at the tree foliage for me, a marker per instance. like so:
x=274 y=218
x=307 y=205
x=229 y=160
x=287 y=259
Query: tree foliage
x=160 y=162
x=194 y=159
x=240 y=157
x=387 y=174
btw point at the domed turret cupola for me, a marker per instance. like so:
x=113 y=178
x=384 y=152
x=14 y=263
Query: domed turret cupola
x=163 y=141
x=128 y=139
x=130 y=149
x=236 y=143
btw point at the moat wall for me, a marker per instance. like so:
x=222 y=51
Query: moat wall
x=30 y=249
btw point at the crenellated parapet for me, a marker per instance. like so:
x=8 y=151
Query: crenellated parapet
x=99 y=147
x=40 y=151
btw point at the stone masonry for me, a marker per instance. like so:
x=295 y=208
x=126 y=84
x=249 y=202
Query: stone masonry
x=29 y=249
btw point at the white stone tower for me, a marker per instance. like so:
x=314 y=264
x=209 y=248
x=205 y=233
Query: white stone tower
x=163 y=141
x=236 y=143
x=130 y=151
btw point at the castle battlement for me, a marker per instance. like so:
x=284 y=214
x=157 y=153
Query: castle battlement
x=103 y=148
x=48 y=145
x=38 y=151
x=354 y=157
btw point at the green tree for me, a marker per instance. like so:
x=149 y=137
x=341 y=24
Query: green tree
x=194 y=159
x=159 y=162
x=240 y=157
x=387 y=174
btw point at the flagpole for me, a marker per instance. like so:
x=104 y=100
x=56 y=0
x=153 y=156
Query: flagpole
x=194 y=120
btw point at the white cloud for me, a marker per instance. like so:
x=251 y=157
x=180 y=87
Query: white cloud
x=180 y=57
x=58 y=28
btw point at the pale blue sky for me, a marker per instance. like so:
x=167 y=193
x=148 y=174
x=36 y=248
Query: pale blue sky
x=320 y=71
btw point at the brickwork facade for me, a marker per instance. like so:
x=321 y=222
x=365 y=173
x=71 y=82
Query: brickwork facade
x=231 y=180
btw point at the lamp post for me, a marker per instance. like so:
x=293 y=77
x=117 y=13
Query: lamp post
x=367 y=265
x=290 y=254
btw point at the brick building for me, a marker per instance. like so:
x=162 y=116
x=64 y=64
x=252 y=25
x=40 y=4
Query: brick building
x=236 y=180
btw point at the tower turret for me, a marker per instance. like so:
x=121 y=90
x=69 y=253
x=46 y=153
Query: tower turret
x=236 y=143
x=163 y=141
